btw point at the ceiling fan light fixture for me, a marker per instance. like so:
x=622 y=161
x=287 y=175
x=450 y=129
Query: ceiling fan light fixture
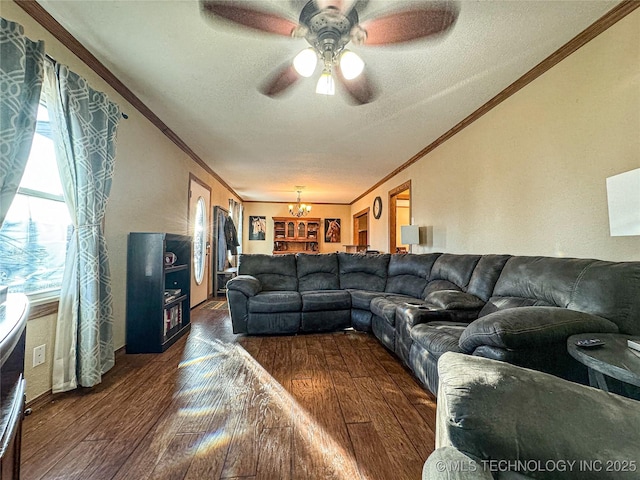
x=326 y=85
x=305 y=62
x=351 y=65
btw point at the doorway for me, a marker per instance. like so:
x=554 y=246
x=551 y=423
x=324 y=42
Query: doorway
x=361 y=230
x=199 y=222
x=399 y=214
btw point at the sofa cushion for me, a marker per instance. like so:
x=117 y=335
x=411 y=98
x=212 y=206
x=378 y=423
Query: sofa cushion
x=363 y=271
x=325 y=300
x=610 y=290
x=496 y=304
x=451 y=272
x=408 y=273
x=529 y=327
x=385 y=307
x=317 y=272
x=275 y=272
x=545 y=280
x=362 y=298
x=454 y=300
x=438 y=337
x=273 y=302
x=485 y=275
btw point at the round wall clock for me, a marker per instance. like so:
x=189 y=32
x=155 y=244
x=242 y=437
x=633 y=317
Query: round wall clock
x=377 y=207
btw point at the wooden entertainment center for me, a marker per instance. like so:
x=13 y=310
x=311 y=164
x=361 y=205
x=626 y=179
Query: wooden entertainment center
x=292 y=235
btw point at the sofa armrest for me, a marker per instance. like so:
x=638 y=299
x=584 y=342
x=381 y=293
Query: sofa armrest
x=246 y=284
x=454 y=300
x=494 y=410
x=528 y=327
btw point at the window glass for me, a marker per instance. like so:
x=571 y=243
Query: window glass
x=199 y=241
x=34 y=235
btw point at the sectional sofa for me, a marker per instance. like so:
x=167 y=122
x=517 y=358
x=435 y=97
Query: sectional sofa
x=511 y=308
x=567 y=431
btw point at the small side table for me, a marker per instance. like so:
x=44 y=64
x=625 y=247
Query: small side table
x=613 y=359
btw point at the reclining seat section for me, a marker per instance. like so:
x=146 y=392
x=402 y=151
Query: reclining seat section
x=447 y=311
x=364 y=276
x=325 y=307
x=265 y=297
x=408 y=276
x=537 y=303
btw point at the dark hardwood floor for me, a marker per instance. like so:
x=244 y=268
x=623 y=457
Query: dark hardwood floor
x=218 y=405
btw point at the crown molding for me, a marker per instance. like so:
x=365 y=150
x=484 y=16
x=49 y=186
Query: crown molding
x=613 y=16
x=40 y=15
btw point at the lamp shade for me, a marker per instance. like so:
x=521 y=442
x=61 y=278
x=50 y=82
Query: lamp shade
x=350 y=64
x=410 y=234
x=325 y=84
x=623 y=196
x=305 y=62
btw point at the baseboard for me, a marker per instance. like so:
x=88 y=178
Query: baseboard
x=46 y=397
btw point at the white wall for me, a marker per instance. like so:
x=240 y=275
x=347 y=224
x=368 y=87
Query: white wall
x=529 y=177
x=149 y=193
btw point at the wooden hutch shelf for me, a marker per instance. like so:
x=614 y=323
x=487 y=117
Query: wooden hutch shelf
x=292 y=235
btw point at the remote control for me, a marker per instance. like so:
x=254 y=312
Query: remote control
x=589 y=342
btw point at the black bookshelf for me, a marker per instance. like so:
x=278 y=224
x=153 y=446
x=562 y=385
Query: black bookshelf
x=157 y=314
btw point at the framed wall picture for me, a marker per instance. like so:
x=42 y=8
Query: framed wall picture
x=257 y=227
x=332 y=230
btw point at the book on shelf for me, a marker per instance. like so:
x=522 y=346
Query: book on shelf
x=171 y=294
x=172 y=318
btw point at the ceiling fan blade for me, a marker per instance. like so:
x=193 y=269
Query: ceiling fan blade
x=360 y=89
x=410 y=24
x=280 y=81
x=248 y=17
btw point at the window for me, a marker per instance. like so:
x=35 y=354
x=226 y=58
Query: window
x=199 y=241
x=34 y=235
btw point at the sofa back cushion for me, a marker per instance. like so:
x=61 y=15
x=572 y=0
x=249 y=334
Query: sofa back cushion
x=275 y=272
x=610 y=290
x=363 y=271
x=536 y=281
x=317 y=272
x=408 y=274
x=485 y=275
x=451 y=272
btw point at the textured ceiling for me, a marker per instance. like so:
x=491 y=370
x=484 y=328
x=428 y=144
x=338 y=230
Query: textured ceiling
x=201 y=78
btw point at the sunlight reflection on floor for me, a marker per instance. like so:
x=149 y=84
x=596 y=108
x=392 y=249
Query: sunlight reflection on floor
x=239 y=378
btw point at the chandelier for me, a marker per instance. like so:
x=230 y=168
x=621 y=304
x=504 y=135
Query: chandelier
x=299 y=209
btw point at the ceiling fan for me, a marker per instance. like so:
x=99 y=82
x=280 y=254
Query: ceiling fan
x=328 y=26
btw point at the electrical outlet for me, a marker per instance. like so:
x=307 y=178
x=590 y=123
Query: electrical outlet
x=38 y=355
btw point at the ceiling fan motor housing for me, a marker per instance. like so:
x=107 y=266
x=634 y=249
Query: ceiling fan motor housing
x=328 y=30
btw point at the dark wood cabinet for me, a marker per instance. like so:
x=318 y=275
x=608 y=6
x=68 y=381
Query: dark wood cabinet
x=13 y=322
x=158 y=290
x=291 y=235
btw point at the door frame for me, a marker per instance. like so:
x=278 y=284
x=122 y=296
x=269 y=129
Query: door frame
x=356 y=216
x=393 y=198
x=207 y=266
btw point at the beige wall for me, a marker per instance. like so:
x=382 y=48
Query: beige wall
x=528 y=178
x=149 y=194
x=270 y=210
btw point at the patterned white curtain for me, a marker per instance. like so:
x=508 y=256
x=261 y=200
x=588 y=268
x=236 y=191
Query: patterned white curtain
x=84 y=124
x=21 y=67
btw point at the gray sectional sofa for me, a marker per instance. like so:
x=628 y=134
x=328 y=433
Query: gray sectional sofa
x=511 y=308
x=569 y=431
